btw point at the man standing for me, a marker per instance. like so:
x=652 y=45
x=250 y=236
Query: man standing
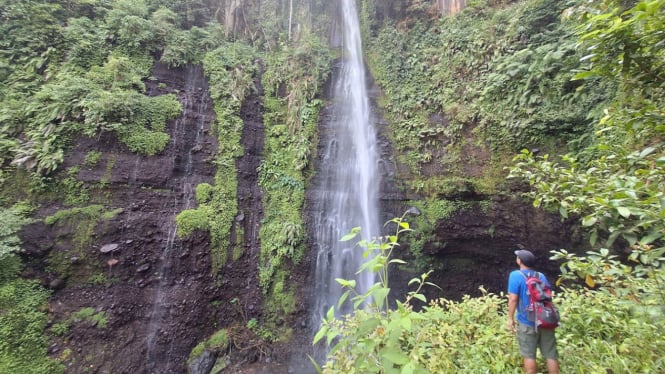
x=528 y=337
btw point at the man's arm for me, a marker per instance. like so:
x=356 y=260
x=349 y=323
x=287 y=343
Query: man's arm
x=512 y=306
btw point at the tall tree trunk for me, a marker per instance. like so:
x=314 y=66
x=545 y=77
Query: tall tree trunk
x=450 y=7
x=290 y=17
x=230 y=15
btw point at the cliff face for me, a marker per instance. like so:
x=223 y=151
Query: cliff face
x=155 y=291
x=475 y=245
x=153 y=297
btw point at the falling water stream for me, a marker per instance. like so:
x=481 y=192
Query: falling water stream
x=187 y=140
x=349 y=180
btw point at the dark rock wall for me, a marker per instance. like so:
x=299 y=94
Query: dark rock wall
x=475 y=247
x=158 y=298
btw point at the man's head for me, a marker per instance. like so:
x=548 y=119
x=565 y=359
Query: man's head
x=526 y=258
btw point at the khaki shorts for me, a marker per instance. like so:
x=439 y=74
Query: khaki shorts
x=529 y=340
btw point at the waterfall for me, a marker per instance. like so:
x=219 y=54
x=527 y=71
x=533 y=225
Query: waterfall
x=187 y=140
x=348 y=179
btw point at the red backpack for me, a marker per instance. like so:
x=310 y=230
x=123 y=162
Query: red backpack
x=541 y=311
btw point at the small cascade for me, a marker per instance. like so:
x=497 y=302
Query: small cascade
x=348 y=181
x=187 y=140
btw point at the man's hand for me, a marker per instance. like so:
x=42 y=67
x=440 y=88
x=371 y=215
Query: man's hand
x=513 y=299
x=511 y=325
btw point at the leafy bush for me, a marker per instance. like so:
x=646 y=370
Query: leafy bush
x=603 y=330
x=290 y=119
x=89 y=314
x=60 y=329
x=22 y=322
x=10 y=267
x=616 y=183
x=92 y=158
x=217 y=342
x=497 y=77
x=191 y=220
x=11 y=221
x=204 y=193
x=85 y=76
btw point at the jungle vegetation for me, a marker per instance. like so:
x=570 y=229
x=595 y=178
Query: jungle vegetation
x=584 y=82
x=581 y=81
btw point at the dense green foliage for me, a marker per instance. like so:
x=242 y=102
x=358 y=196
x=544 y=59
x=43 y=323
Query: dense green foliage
x=84 y=77
x=231 y=70
x=22 y=322
x=290 y=121
x=615 y=328
x=11 y=221
x=616 y=184
x=613 y=182
x=494 y=78
x=22 y=315
x=501 y=76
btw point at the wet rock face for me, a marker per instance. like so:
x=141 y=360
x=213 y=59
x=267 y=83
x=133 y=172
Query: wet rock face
x=158 y=295
x=203 y=364
x=155 y=290
x=475 y=247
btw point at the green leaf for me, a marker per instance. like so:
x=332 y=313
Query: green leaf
x=593 y=237
x=330 y=337
x=342 y=299
x=379 y=295
x=320 y=334
x=537 y=202
x=589 y=221
x=625 y=212
x=651 y=238
x=408 y=368
x=357 y=302
x=368 y=326
x=354 y=232
x=346 y=283
x=331 y=314
x=420 y=297
x=585 y=74
x=394 y=355
x=406 y=323
x=397 y=261
x=563 y=211
x=414 y=280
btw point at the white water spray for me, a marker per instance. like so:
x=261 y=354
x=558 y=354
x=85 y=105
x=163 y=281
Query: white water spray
x=348 y=195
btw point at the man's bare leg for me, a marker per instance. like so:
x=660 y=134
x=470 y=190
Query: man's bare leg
x=530 y=366
x=552 y=366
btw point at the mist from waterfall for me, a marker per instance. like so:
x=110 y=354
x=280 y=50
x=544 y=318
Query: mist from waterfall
x=349 y=180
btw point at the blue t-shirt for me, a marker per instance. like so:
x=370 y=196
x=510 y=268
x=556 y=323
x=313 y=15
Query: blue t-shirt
x=517 y=285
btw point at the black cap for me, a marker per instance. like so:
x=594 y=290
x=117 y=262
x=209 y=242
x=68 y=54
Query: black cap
x=526 y=257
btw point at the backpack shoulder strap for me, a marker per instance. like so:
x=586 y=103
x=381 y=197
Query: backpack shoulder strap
x=526 y=276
